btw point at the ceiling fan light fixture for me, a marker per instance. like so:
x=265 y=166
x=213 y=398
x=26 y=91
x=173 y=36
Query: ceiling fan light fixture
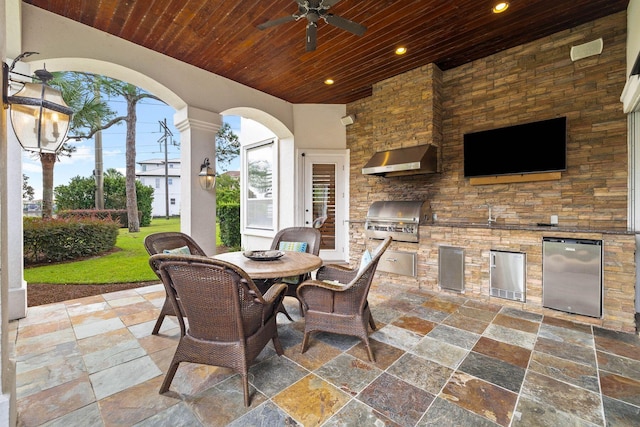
x=329 y=81
x=401 y=50
x=500 y=7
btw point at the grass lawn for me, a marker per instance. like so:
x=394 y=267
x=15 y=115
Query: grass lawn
x=126 y=265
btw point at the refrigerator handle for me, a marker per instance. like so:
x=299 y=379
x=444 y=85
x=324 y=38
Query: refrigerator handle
x=492 y=260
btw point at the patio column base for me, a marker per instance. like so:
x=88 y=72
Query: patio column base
x=18 y=302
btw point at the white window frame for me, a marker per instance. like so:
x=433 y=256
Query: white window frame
x=266 y=230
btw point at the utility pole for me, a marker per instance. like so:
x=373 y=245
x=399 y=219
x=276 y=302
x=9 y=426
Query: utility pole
x=166 y=138
x=98 y=171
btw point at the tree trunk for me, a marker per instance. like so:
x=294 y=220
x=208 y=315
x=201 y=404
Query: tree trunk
x=47 y=160
x=132 y=197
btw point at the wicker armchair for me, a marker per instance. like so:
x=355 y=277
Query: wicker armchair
x=340 y=307
x=294 y=234
x=157 y=243
x=229 y=320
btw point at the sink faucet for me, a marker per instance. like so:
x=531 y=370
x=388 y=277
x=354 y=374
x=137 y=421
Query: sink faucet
x=490 y=218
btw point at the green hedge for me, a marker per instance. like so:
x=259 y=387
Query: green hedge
x=62 y=239
x=79 y=195
x=119 y=215
x=229 y=218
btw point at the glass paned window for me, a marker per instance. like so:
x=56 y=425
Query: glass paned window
x=323 y=176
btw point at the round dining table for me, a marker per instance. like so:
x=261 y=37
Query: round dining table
x=290 y=264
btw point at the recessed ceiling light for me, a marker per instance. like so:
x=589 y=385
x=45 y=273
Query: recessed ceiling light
x=328 y=82
x=500 y=7
x=401 y=50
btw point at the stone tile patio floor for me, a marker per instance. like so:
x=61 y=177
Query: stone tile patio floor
x=442 y=360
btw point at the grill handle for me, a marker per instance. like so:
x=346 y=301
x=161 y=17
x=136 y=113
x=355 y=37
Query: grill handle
x=395 y=220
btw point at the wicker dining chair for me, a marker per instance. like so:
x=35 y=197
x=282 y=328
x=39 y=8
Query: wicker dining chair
x=170 y=241
x=309 y=235
x=336 y=301
x=229 y=320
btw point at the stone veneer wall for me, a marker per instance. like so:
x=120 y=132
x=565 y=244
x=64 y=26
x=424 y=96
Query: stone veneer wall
x=536 y=81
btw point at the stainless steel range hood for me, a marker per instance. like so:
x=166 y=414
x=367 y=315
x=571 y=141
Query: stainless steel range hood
x=420 y=159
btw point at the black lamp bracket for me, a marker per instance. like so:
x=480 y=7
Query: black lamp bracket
x=19 y=58
x=43 y=75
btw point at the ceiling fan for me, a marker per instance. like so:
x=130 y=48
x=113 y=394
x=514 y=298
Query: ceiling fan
x=314 y=10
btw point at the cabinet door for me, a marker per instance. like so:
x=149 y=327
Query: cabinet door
x=572 y=277
x=451 y=268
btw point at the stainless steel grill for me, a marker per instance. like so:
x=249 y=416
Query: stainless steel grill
x=398 y=219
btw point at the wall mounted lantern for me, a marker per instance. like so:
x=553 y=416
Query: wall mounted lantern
x=39 y=116
x=207 y=176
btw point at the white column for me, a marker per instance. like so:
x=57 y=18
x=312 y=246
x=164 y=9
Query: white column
x=198 y=130
x=15 y=256
x=13 y=175
x=9 y=21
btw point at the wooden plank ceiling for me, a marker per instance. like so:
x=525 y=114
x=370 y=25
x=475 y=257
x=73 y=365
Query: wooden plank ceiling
x=221 y=36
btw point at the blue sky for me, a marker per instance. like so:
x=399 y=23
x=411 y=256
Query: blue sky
x=148 y=132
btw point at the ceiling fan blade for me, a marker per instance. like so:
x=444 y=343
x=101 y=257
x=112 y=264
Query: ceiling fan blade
x=312 y=30
x=325 y=4
x=345 y=24
x=277 y=21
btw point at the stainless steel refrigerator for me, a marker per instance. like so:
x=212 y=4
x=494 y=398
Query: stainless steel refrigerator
x=507 y=275
x=572 y=275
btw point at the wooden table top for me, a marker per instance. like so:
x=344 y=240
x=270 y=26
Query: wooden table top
x=290 y=264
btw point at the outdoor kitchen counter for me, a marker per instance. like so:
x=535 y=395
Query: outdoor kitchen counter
x=534 y=227
x=477 y=240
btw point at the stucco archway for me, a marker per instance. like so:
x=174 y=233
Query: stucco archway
x=198 y=128
x=262 y=117
x=114 y=71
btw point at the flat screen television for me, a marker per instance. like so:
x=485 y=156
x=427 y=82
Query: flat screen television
x=527 y=148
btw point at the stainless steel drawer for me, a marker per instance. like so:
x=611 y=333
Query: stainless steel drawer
x=399 y=262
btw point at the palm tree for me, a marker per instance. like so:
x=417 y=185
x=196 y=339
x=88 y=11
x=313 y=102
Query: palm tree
x=132 y=95
x=47 y=160
x=87 y=108
x=84 y=126
x=82 y=92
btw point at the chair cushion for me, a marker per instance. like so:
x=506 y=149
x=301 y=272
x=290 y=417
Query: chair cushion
x=334 y=282
x=293 y=247
x=183 y=250
x=365 y=260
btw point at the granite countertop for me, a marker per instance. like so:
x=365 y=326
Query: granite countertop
x=532 y=227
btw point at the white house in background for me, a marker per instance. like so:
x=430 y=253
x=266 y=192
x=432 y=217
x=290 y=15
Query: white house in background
x=165 y=183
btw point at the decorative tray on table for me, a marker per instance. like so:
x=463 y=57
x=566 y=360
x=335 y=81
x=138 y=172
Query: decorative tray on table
x=263 y=255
